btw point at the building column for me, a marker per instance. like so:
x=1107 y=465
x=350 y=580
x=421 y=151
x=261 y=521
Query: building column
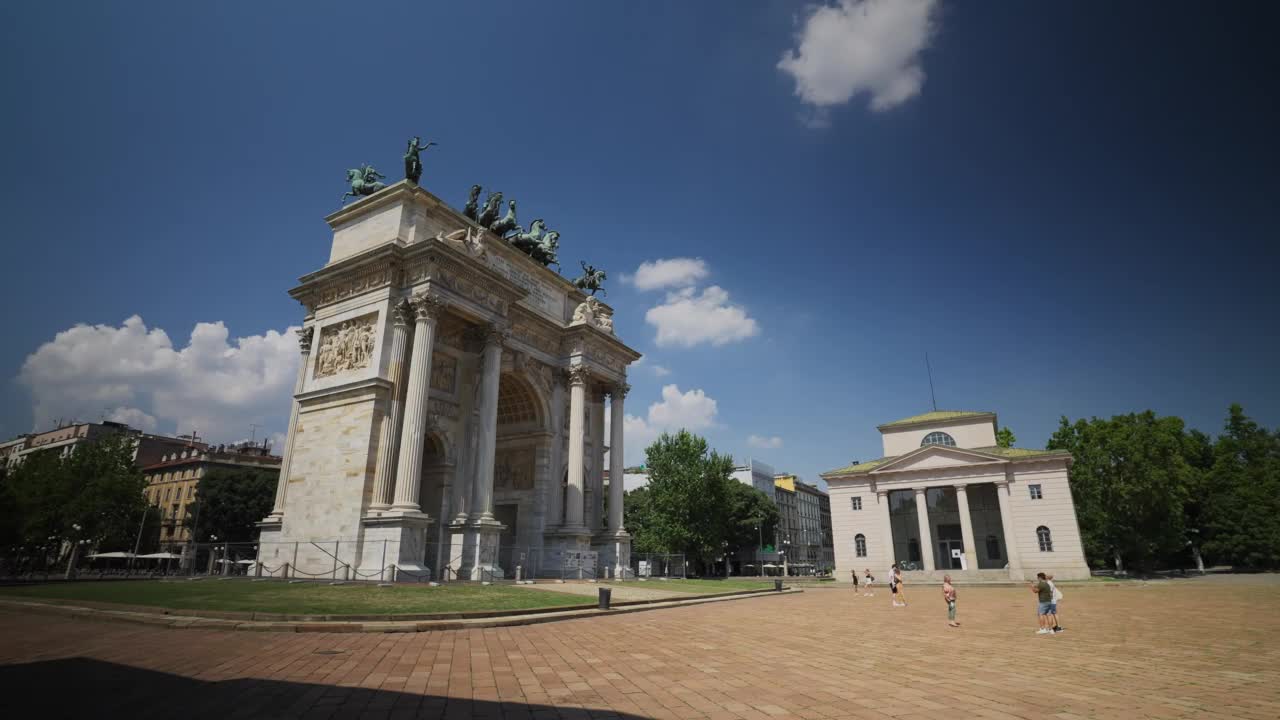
x=555 y=494
x=882 y=497
x=487 y=430
x=408 y=484
x=1006 y=524
x=577 y=450
x=305 y=336
x=966 y=529
x=617 y=487
x=597 y=461
x=384 y=481
x=616 y=459
x=926 y=538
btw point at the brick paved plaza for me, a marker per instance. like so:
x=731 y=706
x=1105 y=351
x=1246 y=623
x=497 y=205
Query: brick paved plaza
x=1205 y=648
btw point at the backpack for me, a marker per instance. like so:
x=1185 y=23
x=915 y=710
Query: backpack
x=1057 y=594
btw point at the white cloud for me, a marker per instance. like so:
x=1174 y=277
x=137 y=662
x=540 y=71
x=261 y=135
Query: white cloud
x=669 y=272
x=211 y=385
x=688 y=318
x=693 y=410
x=766 y=443
x=861 y=46
x=661 y=371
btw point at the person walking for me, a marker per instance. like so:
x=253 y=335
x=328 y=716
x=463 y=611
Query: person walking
x=870 y=581
x=949 y=595
x=1053 y=607
x=901 y=585
x=893 y=584
x=854 y=575
x=1044 y=600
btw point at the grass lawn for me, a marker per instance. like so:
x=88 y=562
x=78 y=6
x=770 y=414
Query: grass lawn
x=705 y=587
x=301 y=598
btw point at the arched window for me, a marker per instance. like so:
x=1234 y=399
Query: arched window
x=860 y=545
x=938 y=438
x=1046 y=540
x=993 y=547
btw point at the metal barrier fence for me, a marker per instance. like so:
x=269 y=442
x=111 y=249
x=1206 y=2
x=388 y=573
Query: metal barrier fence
x=345 y=560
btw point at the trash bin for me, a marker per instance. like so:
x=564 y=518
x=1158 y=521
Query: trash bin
x=604 y=597
x=777 y=584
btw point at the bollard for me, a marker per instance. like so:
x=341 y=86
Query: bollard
x=257 y=569
x=777 y=584
x=284 y=571
x=604 y=598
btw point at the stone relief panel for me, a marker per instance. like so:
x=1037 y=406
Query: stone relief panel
x=444 y=373
x=513 y=469
x=346 y=346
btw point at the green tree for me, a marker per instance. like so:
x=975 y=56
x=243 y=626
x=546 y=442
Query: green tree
x=230 y=502
x=637 y=517
x=687 y=494
x=1129 y=480
x=1005 y=438
x=749 y=516
x=1242 y=517
x=96 y=488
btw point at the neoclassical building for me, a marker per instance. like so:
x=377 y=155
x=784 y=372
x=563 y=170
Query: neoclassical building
x=946 y=498
x=448 y=415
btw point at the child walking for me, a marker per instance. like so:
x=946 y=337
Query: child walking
x=870 y=581
x=949 y=595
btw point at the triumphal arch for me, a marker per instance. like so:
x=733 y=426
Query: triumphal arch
x=450 y=405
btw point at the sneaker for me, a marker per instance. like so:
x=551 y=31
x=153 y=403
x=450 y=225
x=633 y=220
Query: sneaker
x=1058 y=630
x=1043 y=631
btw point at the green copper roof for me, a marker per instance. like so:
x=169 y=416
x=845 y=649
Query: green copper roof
x=1017 y=452
x=934 y=416
x=1010 y=453
x=860 y=467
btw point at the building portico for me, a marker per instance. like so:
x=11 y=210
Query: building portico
x=449 y=403
x=976 y=511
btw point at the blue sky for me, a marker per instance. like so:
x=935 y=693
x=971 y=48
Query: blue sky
x=1071 y=208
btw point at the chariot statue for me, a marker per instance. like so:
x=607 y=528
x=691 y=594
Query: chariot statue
x=592 y=279
x=489 y=213
x=545 y=250
x=508 y=221
x=472 y=208
x=529 y=238
x=412 y=163
x=363 y=181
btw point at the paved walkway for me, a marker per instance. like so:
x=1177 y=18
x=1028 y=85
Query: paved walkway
x=1173 y=649
x=622 y=592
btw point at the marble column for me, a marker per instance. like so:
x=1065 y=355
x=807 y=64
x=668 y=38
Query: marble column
x=413 y=435
x=882 y=498
x=305 y=336
x=597 y=461
x=388 y=443
x=555 y=494
x=1010 y=538
x=966 y=529
x=616 y=459
x=926 y=537
x=577 y=451
x=487 y=431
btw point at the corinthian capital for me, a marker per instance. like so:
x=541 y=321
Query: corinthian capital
x=402 y=313
x=305 y=335
x=496 y=334
x=427 y=306
x=579 y=375
x=619 y=391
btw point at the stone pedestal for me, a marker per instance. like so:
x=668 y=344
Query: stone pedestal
x=485 y=534
x=460 y=551
x=404 y=537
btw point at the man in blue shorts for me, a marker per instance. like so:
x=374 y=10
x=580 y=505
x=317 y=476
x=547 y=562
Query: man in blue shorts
x=1044 y=609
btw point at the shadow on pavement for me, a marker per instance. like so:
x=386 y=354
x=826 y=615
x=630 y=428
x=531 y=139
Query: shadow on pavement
x=84 y=688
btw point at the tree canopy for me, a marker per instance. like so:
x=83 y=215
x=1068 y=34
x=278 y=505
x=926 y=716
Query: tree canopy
x=692 y=505
x=230 y=503
x=95 y=488
x=1150 y=493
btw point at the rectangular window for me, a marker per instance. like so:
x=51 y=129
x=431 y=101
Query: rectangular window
x=856 y=503
x=1035 y=492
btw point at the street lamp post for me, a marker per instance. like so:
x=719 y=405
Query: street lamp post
x=75 y=552
x=760 y=550
x=786 y=546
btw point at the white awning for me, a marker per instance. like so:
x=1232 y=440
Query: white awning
x=116 y=554
x=160 y=556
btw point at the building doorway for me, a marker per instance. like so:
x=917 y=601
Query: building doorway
x=949 y=538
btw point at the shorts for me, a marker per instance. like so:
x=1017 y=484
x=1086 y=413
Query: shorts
x=1053 y=608
x=1046 y=608
x=893 y=589
x=951 y=610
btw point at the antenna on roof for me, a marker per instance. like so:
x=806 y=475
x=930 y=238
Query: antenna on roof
x=929 y=369
x=253 y=432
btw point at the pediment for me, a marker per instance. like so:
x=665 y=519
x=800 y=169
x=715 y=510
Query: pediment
x=931 y=457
